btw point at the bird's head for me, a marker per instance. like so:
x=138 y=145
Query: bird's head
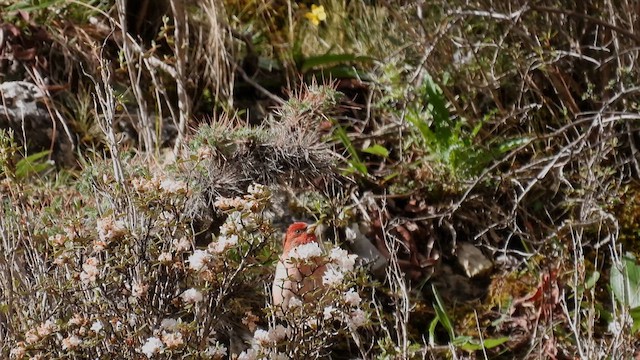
x=298 y=233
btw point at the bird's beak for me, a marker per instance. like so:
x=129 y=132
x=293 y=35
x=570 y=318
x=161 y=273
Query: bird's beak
x=311 y=229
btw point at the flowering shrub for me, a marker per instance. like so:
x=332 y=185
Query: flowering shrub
x=129 y=279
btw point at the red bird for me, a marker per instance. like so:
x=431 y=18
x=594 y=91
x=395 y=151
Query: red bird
x=295 y=279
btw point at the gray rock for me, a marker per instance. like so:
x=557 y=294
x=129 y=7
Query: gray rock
x=23 y=109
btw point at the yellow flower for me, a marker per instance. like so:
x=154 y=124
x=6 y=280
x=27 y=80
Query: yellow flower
x=316 y=14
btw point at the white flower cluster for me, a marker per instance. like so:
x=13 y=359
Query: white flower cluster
x=172 y=340
x=71 y=342
x=223 y=243
x=159 y=183
x=139 y=289
x=306 y=251
x=343 y=259
x=341 y=263
x=90 y=270
x=167 y=337
x=236 y=203
x=256 y=198
x=182 y=244
x=262 y=340
x=152 y=346
x=353 y=317
x=215 y=350
x=110 y=229
x=191 y=296
x=199 y=259
x=173 y=186
x=258 y=191
x=38 y=333
x=58 y=240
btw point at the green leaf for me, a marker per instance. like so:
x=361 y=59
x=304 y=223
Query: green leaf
x=494 y=342
x=341 y=72
x=625 y=281
x=512 y=144
x=469 y=344
x=423 y=127
x=328 y=59
x=442 y=313
x=355 y=161
x=592 y=280
x=32 y=164
x=432 y=331
x=635 y=315
x=377 y=150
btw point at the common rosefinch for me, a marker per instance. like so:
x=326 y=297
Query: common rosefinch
x=294 y=277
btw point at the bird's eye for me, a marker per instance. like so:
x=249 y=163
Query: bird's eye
x=299 y=231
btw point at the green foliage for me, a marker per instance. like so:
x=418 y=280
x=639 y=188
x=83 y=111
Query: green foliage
x=448 y=139
x=625 y=284
x=32 y=164
x=354 y=159
x=466 y=343
x=16 y=167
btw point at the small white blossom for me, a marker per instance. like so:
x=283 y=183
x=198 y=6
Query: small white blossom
x=191 y=296
x=358 y=318
x=233 y=203
x=216 y=351
x=46 y=328
x=182 y=244
x=249 y=354
x=152 y=346
x=110 y=229
x=257 y=189
x=342 y=258
x=118 y=326
x=272 y=336
x=58 y=239
x=262 y=337
x=173 y=186
x=306 y=251
x=199 y=260
x=332 y=277
x=169 y=324
x=99 y=245
x=351 y=297
x=223 y=243
x=138 y=289
x=90 y=270
x=31 y=336
x=327 y=313
x=233 y=225
x=172 y=339
x=165 y=257
x=71 y=342
x=96 y=326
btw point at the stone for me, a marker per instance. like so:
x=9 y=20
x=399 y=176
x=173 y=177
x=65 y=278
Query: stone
x=472 y=260
x=23 y=109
